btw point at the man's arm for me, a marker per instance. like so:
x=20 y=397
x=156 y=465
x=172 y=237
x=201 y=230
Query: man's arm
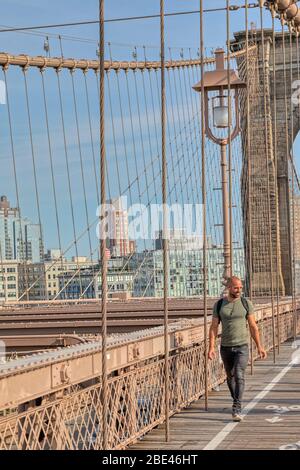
x=255 y=335
x=213 y=333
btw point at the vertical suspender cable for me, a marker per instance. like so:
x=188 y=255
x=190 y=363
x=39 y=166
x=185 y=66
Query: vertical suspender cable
x=60 y=46
x=203 y=182
x=248 y=178
x=293 y=185
x=286 y=129
x=164 y=201
x=229 y=137
x=267 y=173
x=298 y=78
x=104 y=388
x=276 y=175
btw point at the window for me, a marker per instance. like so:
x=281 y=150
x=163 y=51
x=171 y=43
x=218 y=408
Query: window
x=11 y=278
x=11 y=286
x=11 y=270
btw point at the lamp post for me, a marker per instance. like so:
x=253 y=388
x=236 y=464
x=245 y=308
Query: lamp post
x=217 y=81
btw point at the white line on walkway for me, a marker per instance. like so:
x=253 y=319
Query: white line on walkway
x=216 y=441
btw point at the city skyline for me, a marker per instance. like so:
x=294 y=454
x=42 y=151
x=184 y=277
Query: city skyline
x=118 y=241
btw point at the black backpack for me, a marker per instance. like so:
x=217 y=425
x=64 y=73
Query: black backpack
x=244 y=302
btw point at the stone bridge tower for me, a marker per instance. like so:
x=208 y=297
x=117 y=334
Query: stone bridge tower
x=280 y=208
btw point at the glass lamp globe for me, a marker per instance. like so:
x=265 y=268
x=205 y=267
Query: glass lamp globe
x=220 y=115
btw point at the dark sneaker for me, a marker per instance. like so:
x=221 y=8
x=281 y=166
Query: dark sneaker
x=237 y=417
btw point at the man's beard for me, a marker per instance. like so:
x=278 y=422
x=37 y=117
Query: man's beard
x=236 y=295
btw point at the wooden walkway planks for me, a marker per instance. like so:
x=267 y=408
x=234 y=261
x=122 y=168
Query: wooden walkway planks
x=273 y=422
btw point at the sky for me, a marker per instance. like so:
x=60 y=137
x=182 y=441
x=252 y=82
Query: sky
x=181 y=31
x=121 y=38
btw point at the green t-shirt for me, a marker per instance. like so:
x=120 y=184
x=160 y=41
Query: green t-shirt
x=234 y=322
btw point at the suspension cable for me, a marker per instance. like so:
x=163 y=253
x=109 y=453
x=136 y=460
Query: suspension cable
x=293 y=184
x=128 y=18
x=276 y=177
x=165 y=222
x=203 y=182
x=298 y=184
x=104 y=389
x=267 y=175
x=229 y=137
x=249 y=231
x=288 y=155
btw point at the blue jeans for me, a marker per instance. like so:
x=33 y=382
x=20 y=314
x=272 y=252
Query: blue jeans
x=235 y=361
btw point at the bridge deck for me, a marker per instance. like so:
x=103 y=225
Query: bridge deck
x=272 y=413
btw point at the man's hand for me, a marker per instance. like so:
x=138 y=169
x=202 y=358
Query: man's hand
x=211 y=354
x=255 y=335
x=262 y=353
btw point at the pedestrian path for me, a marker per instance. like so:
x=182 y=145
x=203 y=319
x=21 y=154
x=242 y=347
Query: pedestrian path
x=271 y=406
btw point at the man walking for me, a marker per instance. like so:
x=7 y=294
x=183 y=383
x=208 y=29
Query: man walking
x=234 y=312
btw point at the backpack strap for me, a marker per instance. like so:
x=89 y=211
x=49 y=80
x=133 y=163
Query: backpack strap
x=245 y=305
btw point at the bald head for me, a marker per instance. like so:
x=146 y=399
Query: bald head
x=232 y=280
